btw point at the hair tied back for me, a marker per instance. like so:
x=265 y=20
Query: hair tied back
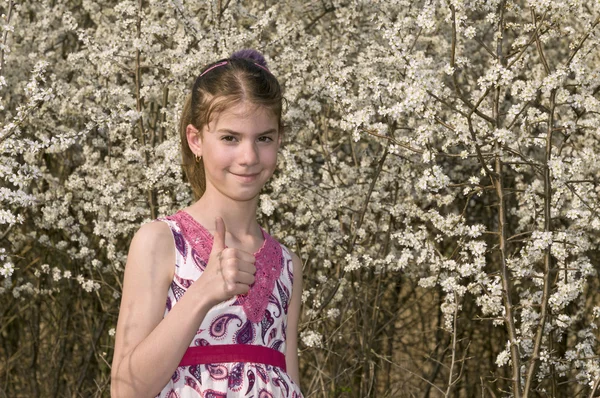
x=252 y=55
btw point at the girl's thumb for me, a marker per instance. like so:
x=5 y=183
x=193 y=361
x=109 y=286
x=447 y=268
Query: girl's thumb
x=219 y=238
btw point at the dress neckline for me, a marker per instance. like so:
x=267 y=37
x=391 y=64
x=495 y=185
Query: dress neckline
x=211 y=238
x=269 y=263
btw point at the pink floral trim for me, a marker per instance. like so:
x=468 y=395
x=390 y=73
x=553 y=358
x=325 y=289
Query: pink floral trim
x=269 y=259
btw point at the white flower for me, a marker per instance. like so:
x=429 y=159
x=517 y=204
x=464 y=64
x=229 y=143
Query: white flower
x=502 y=358
x=352 y=263
x=7 y=270
x=311 y=338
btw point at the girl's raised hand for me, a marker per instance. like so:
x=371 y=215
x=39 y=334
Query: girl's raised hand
x=229 y=271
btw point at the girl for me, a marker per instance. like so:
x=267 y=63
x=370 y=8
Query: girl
x=232 y=292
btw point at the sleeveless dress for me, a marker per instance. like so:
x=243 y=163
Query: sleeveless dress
x=257 y=318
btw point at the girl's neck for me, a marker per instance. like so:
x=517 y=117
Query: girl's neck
x=239 y=216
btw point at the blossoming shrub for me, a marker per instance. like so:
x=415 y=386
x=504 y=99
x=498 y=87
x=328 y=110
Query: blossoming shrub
x=439 y=179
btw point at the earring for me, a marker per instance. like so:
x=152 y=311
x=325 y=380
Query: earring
x=198 y=158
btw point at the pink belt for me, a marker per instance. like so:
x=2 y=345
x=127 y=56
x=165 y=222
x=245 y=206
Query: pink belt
x=223 y=353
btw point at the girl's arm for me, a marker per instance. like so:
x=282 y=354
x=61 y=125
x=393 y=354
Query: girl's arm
x=148 y=347
x=291 y=341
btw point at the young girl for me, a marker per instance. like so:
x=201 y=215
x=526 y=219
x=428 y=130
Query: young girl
x=232 y=292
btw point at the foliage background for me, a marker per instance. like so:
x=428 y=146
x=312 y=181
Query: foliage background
x=440 y=181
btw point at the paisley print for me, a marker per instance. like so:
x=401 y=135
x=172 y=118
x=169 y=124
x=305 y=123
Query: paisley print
x=251 y=380
x=201 y=342
x=172 y=394
x=260 y=371
x=277 y=345
x=198 y=260
x=236 y=377
x=180 y=243
x=183 y=282
x=290 y=269
x=246 y=334
x=284 y=294
x=177 y=291
x=265 y=324
x=273 y=300
x=217 y=372
x=228 y=322
x=196 y=372
x=272 y=335
x=214 y=394
x=280 y=382
x=283 y=329
x=264 y=394
x=190 y=382
x=175 y=376
x=218 y=328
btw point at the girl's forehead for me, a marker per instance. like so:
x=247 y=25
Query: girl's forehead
x=245 y=117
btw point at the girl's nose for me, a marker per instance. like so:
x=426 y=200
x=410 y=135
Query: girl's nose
x=249 y=154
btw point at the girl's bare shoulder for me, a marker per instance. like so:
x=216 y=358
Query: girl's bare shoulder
x=152 y=246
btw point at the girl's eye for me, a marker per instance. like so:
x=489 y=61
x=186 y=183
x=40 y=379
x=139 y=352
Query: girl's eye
x=228 y=138
x=265 y=139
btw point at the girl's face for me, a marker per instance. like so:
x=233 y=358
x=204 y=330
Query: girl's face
x=239 y=149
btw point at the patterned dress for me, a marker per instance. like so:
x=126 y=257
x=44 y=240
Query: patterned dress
x=257 y=318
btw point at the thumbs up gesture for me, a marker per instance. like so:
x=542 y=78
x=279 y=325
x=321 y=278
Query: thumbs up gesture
x=229 y=271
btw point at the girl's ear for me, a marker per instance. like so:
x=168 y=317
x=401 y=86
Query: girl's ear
x=194 y=139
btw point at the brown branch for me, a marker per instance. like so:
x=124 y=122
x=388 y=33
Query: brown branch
x=352 y=241
x=498 y=181
x=531 y=40
x=583 y=39
x=5 y=38
x=312 y=23
x=548 y=263
x=395 y=142
x=539 y=44
x=451 y=380
x=582 y=200
x=140 y=106
x=465 y=100
x=595 y=388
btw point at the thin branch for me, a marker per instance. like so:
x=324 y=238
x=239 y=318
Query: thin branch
x=406 y=370
x=5 y=38
x=395 y=142
x=140 y=106
x=352 y=241
x=583 y=39
x=531 y=40
x=451 y=382
x=548 y=263
x=539 y=44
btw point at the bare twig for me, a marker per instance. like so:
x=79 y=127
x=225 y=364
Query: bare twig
x=451 y=380
x=548 y=263
x=595 y=387
x=538 y=43
x=352 y=241
x=5 y=36
x=140 y=106
x=583 y=39
x=407 y=370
